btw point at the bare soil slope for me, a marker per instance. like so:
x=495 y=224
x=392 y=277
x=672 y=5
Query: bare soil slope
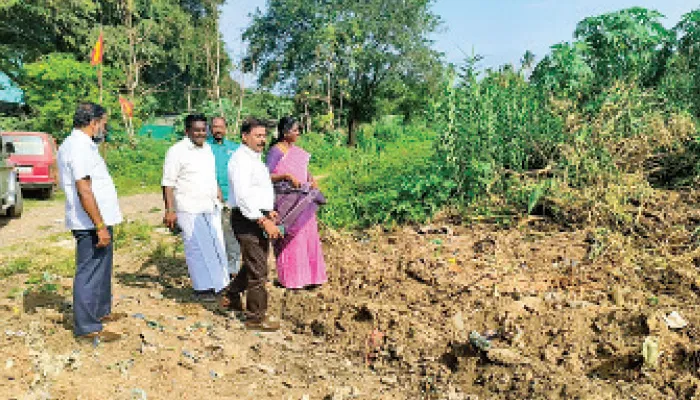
x=566 y=311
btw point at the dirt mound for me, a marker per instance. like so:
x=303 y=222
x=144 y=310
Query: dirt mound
x=433 y=312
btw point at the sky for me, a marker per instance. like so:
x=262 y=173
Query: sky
x=499 y=30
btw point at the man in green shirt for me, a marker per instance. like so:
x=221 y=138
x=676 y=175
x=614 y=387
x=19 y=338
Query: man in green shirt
x=223 y=149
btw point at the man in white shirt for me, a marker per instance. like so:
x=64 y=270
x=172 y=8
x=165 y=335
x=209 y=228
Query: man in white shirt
x=251 y=198
x=192 y=203
x=92 y=209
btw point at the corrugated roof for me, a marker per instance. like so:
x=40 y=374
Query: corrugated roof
x=9 y=92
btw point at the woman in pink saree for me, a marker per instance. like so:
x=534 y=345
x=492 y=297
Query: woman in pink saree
x=299 y=255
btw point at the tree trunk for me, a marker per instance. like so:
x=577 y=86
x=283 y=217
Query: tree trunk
x=240 y=106
x=217 y=87
x=352 y=130
x=340 y=111
x=329 y=100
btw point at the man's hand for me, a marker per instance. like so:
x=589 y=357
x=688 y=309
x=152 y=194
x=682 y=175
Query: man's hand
x=103 y=237
x=314 y=183
x=170 y=219
x=272 y=231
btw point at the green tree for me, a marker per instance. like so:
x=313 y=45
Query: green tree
x=31 y=28
x=565 y=71
x=683 y=80
x=56 y=84
x=624 y=45
x=163 y=47
x=368 y=45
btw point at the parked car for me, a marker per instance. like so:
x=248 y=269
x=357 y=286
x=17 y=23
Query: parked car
x=11 y=202
x=35 y=159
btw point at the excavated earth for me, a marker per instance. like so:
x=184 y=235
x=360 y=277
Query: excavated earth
x=566 y=312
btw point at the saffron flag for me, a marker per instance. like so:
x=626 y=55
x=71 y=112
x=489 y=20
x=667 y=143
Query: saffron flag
x=96 y=56
x=127 y=107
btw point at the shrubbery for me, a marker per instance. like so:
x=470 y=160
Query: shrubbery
x=391 y=177
x=137 y=166
x=511 y=145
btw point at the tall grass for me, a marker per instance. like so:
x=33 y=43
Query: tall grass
x=514 y=146
x=493 y=129
x=391 y=177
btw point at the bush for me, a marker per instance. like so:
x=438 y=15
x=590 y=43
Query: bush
x=494 y=127
x=137 y=166
x=515 y=147
x=390 y=181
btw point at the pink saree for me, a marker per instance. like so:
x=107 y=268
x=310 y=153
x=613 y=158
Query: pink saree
x=299 y=255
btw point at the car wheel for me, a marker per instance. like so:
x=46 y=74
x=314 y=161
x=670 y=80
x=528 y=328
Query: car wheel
x=48 y=193
x=16 y=210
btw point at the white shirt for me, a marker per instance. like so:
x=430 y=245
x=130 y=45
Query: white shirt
x=78 y=158
x=250 y=186
x=191 y=171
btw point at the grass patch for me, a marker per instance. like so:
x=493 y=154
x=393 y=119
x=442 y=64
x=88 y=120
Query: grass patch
x=56 y=260
x=17 y=266
x=132 y=233
x=58 y=256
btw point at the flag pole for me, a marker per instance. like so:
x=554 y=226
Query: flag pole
x=99 y=68
x=99 y=80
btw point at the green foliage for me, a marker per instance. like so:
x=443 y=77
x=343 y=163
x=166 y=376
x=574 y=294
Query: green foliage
x=681 y=82
x=565 y=71
x=516 y=147
x=17 y=266
x=137 y=166
x=163 y=47
x=55 y=85
x=390 y=178
x=265 y=105
x=328 y=151
x=361 y=50
x=130 y=233
x=495 y=125
x=624 y=44
x=34 y=28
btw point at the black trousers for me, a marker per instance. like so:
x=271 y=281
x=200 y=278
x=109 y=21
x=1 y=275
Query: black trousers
x=255 y=248
x=92 y=285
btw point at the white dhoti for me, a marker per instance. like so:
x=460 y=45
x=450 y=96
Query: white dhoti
x=205 y=253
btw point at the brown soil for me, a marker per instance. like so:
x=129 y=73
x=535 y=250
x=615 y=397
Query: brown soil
x=568 y=312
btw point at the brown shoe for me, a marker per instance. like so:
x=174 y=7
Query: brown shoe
x=231 y=302
x=265 y=325
x=113 y=317
x=102 y=336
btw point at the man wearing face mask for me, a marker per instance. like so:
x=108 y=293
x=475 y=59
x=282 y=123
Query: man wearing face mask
x=193 y=203
x=223 y=149
x=92 y=209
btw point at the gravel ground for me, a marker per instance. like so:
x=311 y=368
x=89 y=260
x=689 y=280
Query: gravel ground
x=47 y=218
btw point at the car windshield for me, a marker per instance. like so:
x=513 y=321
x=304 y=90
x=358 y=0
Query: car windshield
x=26 y=145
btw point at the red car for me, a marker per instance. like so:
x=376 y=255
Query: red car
x=35 y=158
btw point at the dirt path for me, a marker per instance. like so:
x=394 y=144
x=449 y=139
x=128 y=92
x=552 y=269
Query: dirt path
x=45 y=219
